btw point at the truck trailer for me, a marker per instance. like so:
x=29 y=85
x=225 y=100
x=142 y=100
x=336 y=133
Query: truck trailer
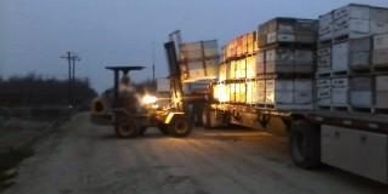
x=322 y=82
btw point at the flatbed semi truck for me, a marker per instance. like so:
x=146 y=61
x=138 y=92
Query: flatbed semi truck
x=323 y=83
x=356 y=142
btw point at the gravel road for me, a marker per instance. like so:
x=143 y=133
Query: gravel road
x=85 y=158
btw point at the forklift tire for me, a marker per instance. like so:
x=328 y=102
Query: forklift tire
x=305 y=144
x=127 y=131
x=179 y=127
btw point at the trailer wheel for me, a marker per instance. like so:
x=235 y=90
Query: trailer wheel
x=305 y=144
x=209 y=119
x=126 y=130
x=206 y=118
x=180 y=127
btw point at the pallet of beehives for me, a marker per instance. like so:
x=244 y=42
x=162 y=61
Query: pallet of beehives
x=352 y=21
x=289 y=60
x=350 y=55
x=289 y=94
x=340 y=93
x=199 y=60
x=287 y=30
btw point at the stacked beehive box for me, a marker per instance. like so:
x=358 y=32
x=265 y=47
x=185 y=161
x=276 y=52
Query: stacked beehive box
x=199 y=60
x=286 y=61
x=352 y=52
x=237 y=69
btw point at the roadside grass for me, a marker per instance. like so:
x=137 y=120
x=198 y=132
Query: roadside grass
x=20 y=130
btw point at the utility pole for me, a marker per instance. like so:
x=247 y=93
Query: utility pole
x=153 y=62
x=71 y=59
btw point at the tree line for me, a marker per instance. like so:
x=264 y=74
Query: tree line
x=34 y=90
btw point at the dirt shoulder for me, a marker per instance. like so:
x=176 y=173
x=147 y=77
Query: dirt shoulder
x=20 y=131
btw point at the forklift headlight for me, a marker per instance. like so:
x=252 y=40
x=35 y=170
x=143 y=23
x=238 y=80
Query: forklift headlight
x=148 y=99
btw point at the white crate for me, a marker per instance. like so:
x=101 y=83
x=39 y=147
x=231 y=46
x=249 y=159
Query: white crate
x=251 y=67
x=382 y=83
x=361 y=92
x=260 y=63
x=381 y=92
x=380 y=41
x=352 y=11
x=279 y=91
x=289 y=92
x=303 y=91
x=379 y=21
x=353 y=28
x=339 y=96
x=340 y=88
x=323 y=92
x=380 y=58
x=325 y=30
x=324 y=96
x=260 y=91
x=361 y=99
x=324 y=58
x=339 y=58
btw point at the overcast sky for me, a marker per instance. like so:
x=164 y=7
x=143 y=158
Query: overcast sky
x=35 y=33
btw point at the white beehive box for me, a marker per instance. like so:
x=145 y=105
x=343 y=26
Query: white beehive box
x=325 y=30
x=360 y=53
x=222 y=75
x=354 y=54
x=251 y=67
x=303 y=61
x=260 y=63
x=361 y=92
x=380 y=52
x=323 y=92
x=339 y=92
x=352 y=11
x=381 y=92
x=200 y=59
x=324 y=59
x=380 y=58
x=352 y=21
x=260 y=92
x=279 y=60
x=289 y=94
x=339 y=58
x=279 y=91
x=379 y=20
x=380 y=41
x=303 y=93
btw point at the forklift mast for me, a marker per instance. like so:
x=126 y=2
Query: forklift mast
x=176 y=87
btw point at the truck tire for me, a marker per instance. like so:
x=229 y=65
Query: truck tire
x=305 y=144
x=206 y=118
x=209 y=119
x=127 y=130
x=179 y=127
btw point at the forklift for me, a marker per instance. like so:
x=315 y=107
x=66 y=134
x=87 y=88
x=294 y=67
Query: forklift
x=132 y=114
